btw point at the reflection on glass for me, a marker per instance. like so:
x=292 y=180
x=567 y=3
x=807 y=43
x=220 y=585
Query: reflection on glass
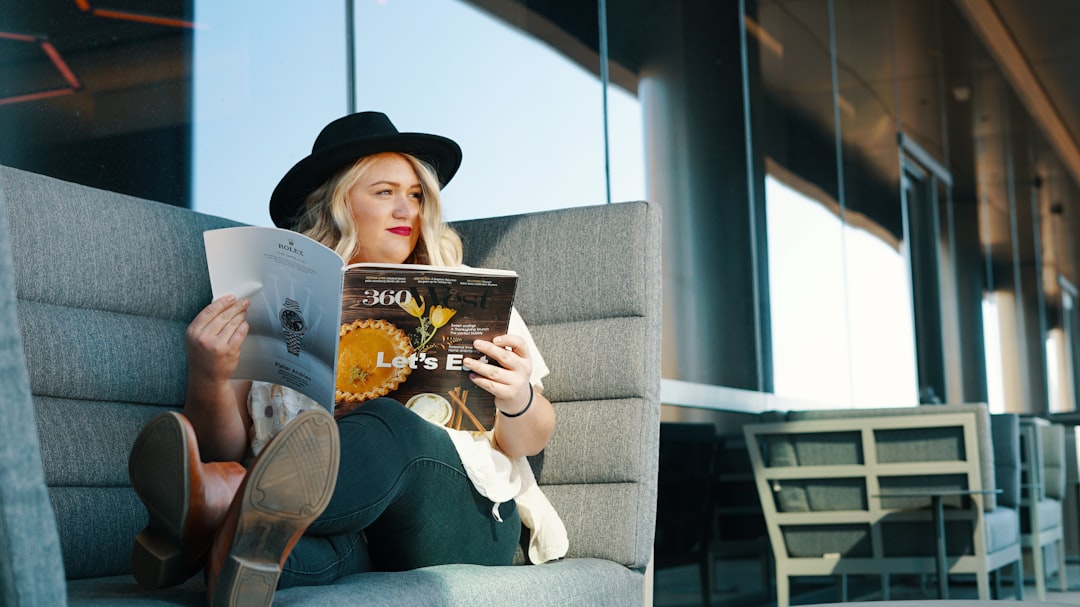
x=878 y=283
x=806 y=285
x=880 y=321
x=1059 y=359
x=819 y=321
x=530 y=120
x=995 y=383
x=265 y=82
x=1053 y=369
x=919 y=61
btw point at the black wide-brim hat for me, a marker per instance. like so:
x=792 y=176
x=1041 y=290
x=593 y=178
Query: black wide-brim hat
x=343 y=142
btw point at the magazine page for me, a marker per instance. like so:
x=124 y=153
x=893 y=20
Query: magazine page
x=294 y=284
x=405 y=330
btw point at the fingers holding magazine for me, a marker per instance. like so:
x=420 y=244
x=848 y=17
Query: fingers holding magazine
x=507 y=381
x=214 y=337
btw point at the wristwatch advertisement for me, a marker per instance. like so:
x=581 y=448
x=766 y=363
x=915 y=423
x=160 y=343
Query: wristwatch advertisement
x=292 y=322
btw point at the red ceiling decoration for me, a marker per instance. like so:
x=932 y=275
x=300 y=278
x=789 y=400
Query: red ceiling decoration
x=108 y=13
x=50 y=51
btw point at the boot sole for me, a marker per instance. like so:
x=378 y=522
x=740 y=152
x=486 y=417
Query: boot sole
x=288 y=487
x=159 y=456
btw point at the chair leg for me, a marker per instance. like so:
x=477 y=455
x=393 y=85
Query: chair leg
x=783 y=590
x=885 y=587
x=766 y=569
x=1018 y=578
x=1038 y=567
x=982 y=581
x=1062 y=576
x=707 y=583
x=996 y=576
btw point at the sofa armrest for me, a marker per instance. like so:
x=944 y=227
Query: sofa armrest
x=31 y=567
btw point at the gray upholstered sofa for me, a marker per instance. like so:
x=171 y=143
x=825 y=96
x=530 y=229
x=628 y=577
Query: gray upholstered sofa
x=96 y=291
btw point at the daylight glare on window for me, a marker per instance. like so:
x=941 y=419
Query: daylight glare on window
x=842 y=326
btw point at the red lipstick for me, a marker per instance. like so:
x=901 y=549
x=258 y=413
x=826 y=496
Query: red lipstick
x=401 y=231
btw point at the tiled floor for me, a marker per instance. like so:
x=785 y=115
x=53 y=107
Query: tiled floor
x=741 y=584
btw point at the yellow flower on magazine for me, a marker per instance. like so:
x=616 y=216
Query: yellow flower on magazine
x=412 y=307
x=440 y=315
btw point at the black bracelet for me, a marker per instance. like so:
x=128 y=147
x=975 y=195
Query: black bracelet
x=522 y=412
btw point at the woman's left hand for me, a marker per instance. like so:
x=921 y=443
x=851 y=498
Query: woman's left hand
x=508 y=381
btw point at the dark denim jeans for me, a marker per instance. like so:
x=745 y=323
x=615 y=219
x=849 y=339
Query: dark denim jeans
x=402 y=487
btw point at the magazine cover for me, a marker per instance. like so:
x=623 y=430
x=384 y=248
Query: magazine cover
x=405 y=330
x=343 y=335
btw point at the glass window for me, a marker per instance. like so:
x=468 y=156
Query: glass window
x=815 y=340
x=1012 y=236
x=878 y=283
x=529 y=120
x=264 y=82
x=206 y=104
x=839 y=288
x=98 y=99
x=995 y=369
x=1060 y=355
x=811 y=357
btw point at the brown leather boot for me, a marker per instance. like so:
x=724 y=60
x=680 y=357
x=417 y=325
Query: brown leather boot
x=288 y=487
x=186 y=500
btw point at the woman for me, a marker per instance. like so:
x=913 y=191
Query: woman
x=403 y=486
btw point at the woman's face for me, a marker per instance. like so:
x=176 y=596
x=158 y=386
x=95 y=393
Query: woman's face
x=385 y=206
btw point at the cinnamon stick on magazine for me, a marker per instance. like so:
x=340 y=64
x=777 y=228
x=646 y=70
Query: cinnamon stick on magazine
x=345 y=334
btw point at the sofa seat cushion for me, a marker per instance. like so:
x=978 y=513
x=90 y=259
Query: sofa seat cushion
x=901 y=540
x=1001 y=529
x=1049 y=516
x=583 y=582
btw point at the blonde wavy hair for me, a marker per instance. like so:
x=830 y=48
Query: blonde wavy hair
x=327 y=219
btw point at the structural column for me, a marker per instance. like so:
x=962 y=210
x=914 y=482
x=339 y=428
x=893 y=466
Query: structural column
x=697 y=153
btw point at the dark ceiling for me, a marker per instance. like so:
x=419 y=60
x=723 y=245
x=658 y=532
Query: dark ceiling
x=1046 y=31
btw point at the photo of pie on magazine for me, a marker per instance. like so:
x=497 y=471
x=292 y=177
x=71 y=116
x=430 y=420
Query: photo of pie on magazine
x=343 y=335
x=405 y=330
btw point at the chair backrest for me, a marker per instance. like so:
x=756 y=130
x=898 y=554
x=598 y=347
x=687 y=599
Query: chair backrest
x=1043 y=456
x=825 y=484
x=1054 y=461
x=986 y=445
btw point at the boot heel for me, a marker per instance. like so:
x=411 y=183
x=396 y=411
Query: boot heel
x=157 y=469
x=156 y=560
x=249 y=584
x=185 y=501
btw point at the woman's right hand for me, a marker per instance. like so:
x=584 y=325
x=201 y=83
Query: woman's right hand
x=213 y=340
x=214 y=403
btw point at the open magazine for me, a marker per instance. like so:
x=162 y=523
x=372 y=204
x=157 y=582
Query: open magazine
x=345 y=334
